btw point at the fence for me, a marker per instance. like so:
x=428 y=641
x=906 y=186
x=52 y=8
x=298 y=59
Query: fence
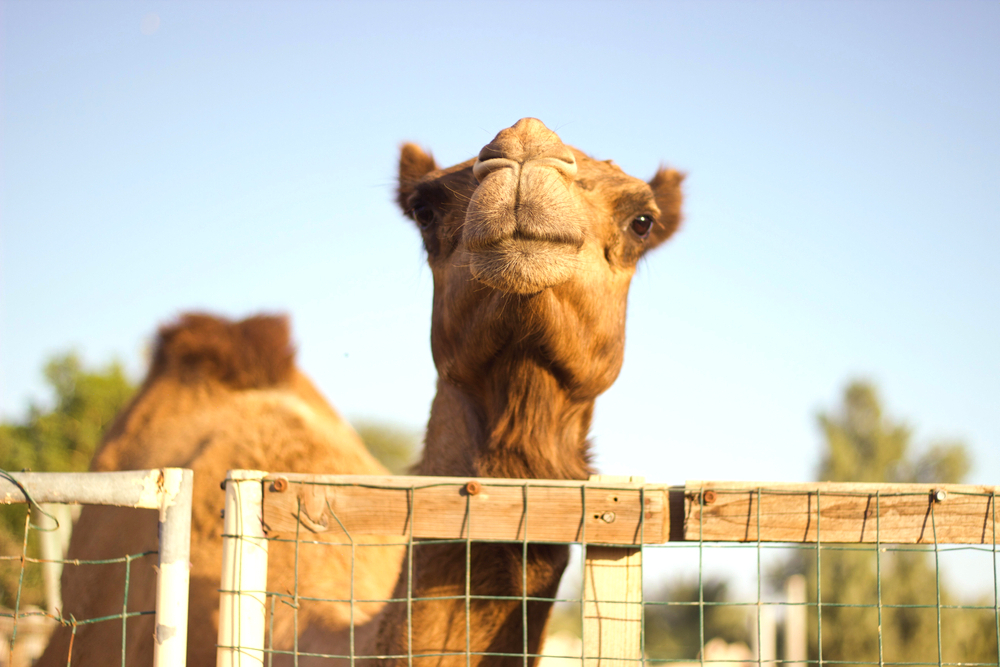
x=615 y=523
x=614 y=520
x=167 y=490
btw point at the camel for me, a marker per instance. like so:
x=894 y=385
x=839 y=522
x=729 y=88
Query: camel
x=532 y=246
x=219 y=395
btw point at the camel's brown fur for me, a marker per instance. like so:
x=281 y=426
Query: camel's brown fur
x=219 y=395
x=532 y=247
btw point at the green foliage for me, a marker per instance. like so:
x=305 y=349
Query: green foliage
x=63 y=439
x=864 y=445
x=60 y=439
x=395 y=446
x=673 y=631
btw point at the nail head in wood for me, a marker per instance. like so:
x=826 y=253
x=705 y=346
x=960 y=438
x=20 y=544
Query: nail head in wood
x=279 y=485
x=708 y=497
x=473 y=488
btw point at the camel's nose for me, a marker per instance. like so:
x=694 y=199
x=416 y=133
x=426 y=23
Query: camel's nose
x=528 y=140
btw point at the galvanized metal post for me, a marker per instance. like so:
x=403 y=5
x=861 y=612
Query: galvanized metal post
x=175 y=566
x=55 y=523
x=242 y=603
x=168 y=490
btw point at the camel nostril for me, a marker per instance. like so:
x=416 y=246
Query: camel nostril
x=565 y=164
x=484 y=167
x=527 y=141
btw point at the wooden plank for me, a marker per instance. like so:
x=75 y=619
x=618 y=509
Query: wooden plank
x=552 y=511
x=612 y=607
x=841 y=513
x=612 y=601
x=457 y=508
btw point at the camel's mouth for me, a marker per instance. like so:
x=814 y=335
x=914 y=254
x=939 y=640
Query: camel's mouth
x=525 y=265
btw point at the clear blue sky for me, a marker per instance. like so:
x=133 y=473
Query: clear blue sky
x=842 y=215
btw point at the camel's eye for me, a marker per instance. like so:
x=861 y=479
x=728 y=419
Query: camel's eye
x=423 y=215
x=641 y=225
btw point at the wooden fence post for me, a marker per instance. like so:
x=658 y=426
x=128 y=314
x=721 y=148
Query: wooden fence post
x=612 y=599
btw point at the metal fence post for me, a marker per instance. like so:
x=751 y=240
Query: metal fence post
x=166 y=489
x=175 y=567
x=56 y=524
x=242 y=603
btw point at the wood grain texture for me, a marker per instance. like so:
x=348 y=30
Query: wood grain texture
x=612 y=607
x=553 y=511
x=444 y=508
x=841 y=513
x=612 y=599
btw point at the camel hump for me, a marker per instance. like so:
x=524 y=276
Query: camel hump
x=254 y=353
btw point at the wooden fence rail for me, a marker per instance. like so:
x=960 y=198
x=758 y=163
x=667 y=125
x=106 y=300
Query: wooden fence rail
x=625 y=511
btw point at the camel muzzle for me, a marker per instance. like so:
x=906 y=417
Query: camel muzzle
x=524 y=227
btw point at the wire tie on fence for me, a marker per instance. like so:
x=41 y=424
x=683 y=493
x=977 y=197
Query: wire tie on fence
x=353 y=552
x=31 y=501
x=72 y=637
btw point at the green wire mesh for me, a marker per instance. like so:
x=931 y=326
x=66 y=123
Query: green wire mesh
x=20 y=571
x=873 y=603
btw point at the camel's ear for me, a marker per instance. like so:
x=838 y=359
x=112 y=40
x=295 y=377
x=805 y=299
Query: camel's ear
x=666 y=187
x=414 y=163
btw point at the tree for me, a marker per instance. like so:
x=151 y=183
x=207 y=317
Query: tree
x=60 y=439
x=864 y=445
x=395 y=446
x=673 y=618
x=63 y=438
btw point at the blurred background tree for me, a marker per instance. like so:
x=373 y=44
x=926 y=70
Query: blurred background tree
x=395 y=446
x=57 y=439
x=63 y=438
x=673 y=631
x=864 y=445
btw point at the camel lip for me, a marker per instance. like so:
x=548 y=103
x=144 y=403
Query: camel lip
x=575 y=240
x=523 y=242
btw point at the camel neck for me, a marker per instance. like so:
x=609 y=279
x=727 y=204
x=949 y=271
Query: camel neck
x=519 y=421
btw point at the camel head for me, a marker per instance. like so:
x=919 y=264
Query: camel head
x=532 y=246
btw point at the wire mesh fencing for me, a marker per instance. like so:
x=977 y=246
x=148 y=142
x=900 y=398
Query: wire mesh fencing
x=839 y=573
x=825 y=573
x=33 y=556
